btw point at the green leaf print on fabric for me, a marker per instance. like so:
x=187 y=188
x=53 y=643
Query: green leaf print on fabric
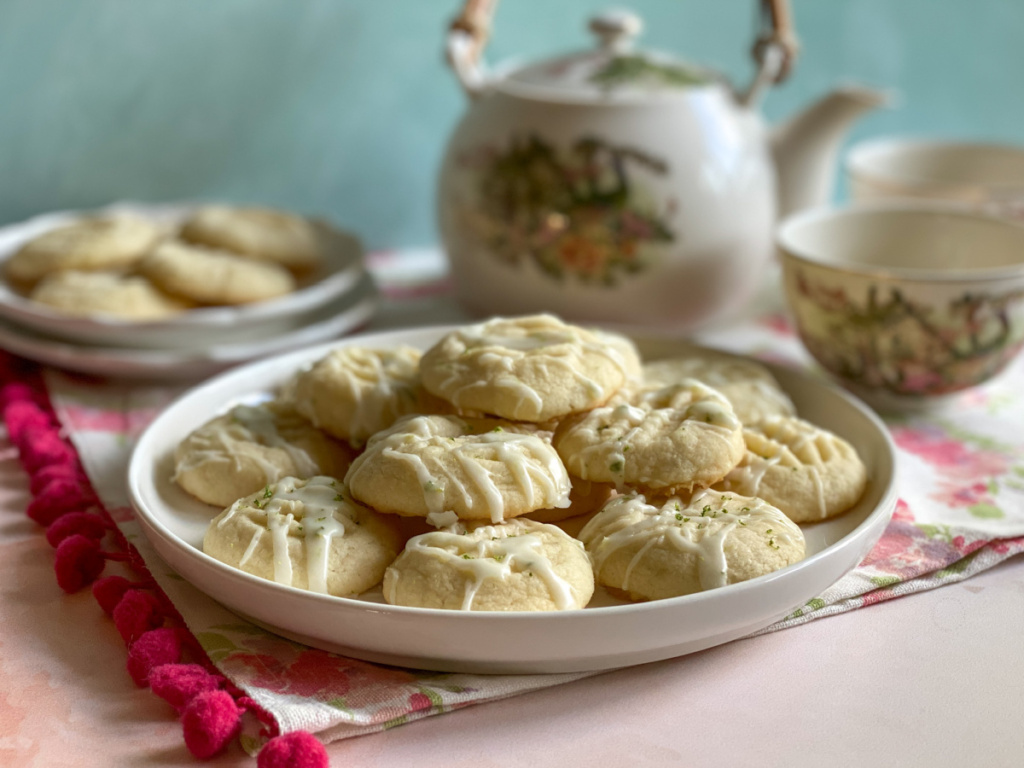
x=885 y=581
x=339 y=704
x=986 y=511
x=217 y=646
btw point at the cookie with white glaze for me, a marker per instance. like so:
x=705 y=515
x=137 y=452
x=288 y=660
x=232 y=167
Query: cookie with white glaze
x=307 y=534
x=208 y=276
x=750 y=387
x=806 y=471
x=517 y=565
x=446 y=468
x=263 y=234
x=87 y=245
x=354 y=392
x=673 y=439
x=243 y=450
x=106 y=294
x=652 y=551
x=532 y=368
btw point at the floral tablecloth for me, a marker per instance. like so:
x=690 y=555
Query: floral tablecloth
x=960 y=478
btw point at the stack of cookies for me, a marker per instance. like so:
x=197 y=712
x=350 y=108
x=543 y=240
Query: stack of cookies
x=134 y=268
x=453 y=477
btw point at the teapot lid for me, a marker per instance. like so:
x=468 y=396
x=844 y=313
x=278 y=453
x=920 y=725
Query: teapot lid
x=613 y=72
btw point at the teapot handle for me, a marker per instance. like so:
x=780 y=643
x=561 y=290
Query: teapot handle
x=467 y=36
x=775 y=49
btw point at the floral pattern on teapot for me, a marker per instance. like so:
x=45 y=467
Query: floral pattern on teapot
x=575 y=213
x=908 y=347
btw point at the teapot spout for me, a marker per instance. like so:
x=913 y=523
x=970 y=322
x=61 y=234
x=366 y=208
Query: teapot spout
x=805 y=147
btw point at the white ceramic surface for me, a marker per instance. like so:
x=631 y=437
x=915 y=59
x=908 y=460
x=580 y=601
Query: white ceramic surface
x=342 y=269
x=990 y=176
x=609 y=634
x=205 y=358
x=613 y=185
x=906 y=302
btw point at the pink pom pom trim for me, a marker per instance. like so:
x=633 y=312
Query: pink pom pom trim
x=293 y=750
x=210 y=721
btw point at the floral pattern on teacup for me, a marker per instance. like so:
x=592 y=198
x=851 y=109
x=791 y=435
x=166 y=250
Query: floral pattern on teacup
x=882 y=338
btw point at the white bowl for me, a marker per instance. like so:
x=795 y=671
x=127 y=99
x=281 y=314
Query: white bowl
x=605 y=635
x=343 y=264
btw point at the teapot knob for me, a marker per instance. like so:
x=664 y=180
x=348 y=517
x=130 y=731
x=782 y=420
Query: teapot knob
x=616 y=29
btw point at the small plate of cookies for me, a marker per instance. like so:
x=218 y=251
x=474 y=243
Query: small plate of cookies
x=153 y=276
x=519 y=495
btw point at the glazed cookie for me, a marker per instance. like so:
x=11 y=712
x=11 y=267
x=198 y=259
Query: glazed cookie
x=525 y=369
x=307 y=534
x=446 y=468
x=808 y=472
x=259 y=233
x=206 y=276
x=354 y=392
x=105 y=293
x=750 y=387
x=518 y=565
x=652 y=552
x=87 y=245
x=241 y=451
x=676 y=438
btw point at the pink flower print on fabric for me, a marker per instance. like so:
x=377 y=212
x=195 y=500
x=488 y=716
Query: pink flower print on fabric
x=82 y=418
x=777 y=322
x=954 y=457
x=908 y=552
x=903 y=512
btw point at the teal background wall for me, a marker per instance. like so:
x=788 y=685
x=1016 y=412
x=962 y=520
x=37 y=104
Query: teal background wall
x=342 y=107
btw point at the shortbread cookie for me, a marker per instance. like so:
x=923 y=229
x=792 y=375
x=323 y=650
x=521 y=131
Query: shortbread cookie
x=207 y=276
x=585 y=498
x=750 y=387
x=243 y=450
x=526 y=369
x=110 y=294
x=655 y=551
x=677 y=438
x=307 y=534
x=87 y=245
x=808 y=472
x=259 y=233
x=518 y=565
x=437 y=466
x=354 y=392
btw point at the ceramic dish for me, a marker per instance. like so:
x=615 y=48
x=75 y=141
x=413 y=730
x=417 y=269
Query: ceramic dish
x=341 y=271
x=609 y=634
x=349 y=312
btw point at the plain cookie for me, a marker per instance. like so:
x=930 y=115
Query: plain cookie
x=518 y=565
x=259 y=233
x=207 y=276
x=652 y=552
x=243 y=450
x=307 y=534
x=533 y=368
x=87 y=245
x=110 y=294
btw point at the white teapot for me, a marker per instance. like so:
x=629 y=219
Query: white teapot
x=625 y=187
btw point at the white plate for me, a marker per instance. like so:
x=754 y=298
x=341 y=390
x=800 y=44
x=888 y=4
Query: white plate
x=607 y=636
x=347 y=313
x=343 y=265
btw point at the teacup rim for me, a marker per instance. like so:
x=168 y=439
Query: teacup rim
x=908 y=274
x=854 y=163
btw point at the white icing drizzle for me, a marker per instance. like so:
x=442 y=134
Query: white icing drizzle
x=556 y=347
x=701 y=527
x=218 y=442
x=533 y=464
x=493 y=552
x=316 y=509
